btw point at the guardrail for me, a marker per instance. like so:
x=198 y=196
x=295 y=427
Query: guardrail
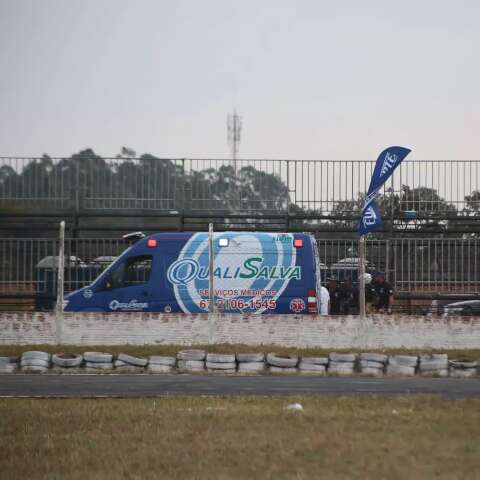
x=28 y=266
x=87 y=182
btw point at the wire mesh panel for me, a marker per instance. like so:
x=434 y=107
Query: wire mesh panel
x=87 y=181
x=146 y=183
x=36 y=183
x=29 y=266
x=438 y=265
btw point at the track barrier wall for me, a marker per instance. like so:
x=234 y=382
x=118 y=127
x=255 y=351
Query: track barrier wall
x=302 y=331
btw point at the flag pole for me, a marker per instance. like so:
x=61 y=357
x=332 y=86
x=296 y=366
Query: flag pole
x=361 y=275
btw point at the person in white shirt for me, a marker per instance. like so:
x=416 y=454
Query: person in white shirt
x=324 y=301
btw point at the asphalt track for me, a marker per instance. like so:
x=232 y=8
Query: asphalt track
x=123 y=385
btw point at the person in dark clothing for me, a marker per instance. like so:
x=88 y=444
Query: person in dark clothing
x=349 y=304
x=335 y=296
x=383 y=292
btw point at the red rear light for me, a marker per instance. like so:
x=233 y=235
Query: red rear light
x=312 y=292
x=151 y=243
x=298 y=242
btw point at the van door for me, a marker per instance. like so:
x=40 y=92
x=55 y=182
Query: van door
x=127 y=287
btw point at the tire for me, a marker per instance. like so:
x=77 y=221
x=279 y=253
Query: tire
x=223 y=372
x=250 y=357
x=220 y=365
x=135 y=361
x=8 y=368
x=377 y=372
x=192 y=365
x=342 y=357
x=162 y=360
x=33 y=362
x=457 y=364
x=221 y=357
x=370 y=364
x=195 y=355
x=374 y=357
x=283 y=362
x=463 y=373
x=429 y=365
x=130 y=369
x=312 y=368
x=36 y=355
x=97 y=357
x=99 y=365
x=62 y=360
x=275 y=369
x=5 y=361
x=251 y=367
x=395 y=369
x=314 y=361
x=34 y=369
x=341 y=368
x=403 y=360
x=159 y=368
x=119 y=364
x=434 y=373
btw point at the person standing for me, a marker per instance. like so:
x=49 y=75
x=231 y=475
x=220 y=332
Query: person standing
x=336 y=295
x=324 y=301
x=383 y=292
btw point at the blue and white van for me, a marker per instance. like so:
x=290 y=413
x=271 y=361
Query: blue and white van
x=169 y=272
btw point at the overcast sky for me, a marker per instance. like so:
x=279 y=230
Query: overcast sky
x=311 y=78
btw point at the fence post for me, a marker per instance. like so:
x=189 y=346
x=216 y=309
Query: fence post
x=361 y=275
x=60 y=278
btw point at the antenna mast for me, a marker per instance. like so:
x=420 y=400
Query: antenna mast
x=234 y=130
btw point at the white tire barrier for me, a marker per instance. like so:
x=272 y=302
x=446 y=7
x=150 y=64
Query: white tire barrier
x=370 y=364
x=192 y=355
x=377 y=372
x=191 y=365
x=403 y=360
x=434 y=373
x=220 y=365
x=463 y=373
x=99 y=365
x=341 y=368
x=435 y=364
x=221 y=358
x=245 y=367
x=166 y=361
x=131 y=360
x=274 y=369
x=35 y=355
x=66 y=360
x=250 y=357
x=312 y=368
x=34 y=369
x=374 y=357
x=159 y=368
x=97 y=357
x=396 y=369
x=314 y=360
x=33 y=362
x=8 y=365
x=282 y=362
x=342 y=357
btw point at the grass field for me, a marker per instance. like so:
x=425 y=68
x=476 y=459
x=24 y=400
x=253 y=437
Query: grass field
x=241 y=437
x=147 y=350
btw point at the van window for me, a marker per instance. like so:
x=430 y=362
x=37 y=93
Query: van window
x=134 y=271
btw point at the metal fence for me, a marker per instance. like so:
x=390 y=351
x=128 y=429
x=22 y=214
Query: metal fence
x=28 y=266
x=87 y=182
